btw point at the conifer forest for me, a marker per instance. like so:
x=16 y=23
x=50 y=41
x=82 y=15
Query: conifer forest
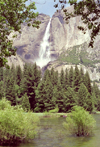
x=42 y=93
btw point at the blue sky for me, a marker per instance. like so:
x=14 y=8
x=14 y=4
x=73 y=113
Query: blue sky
x=46 y=6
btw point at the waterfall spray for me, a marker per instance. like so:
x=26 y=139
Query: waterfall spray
x=44 y=54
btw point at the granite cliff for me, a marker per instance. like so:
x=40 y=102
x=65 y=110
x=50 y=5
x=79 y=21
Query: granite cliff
x=68 y=45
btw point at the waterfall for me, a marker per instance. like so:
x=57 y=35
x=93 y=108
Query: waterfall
x=44 y=53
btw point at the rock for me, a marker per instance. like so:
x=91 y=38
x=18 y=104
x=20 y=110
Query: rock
x=64 y=38
x=28 y=42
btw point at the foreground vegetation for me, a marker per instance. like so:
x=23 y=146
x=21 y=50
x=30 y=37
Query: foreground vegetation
x=52 y=92
x=16 y=125
x=80 y=122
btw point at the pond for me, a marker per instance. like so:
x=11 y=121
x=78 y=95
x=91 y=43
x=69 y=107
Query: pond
x=52 y=134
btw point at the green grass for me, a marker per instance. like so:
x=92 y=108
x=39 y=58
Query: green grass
x=73 y=56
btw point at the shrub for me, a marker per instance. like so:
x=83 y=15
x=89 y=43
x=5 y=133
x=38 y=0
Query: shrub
x=54 y=110
x=16 y=125
x=80 y=122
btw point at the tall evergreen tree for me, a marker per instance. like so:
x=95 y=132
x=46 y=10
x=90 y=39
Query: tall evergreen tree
x=36 y=74
x=81 y=76
x=59 y=97
x=46 y=75
x=87 y=82
x=82 y=94
x=18 y=75
x=25 y=102
x=76 y=81
x=96 y=95
x=62 y=78
x=10 y=90
x=71 y=75
x=66 y=79
x=52 y=75
x=31 y=79
x=56 y=78
x=89 y=103
x=48 y=94
x=40 y=98
x=1 y=73
x=70 y=99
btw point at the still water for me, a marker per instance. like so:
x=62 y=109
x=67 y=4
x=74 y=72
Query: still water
x=52 y=134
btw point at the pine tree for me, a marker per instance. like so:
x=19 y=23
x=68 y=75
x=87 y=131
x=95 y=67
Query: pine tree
x=89 y=103
x=25 y=102
x=76 y=81
x=1 y=73
x=18 y=75
x=46 y=75
x=71 y=75
x=55 y=78
x=87 y=82
x=96 y=95
x=82 y=94
x=59 y=96
x=52 y=75
x=40 y=98
x=13 y=72
x=81 y=76
x=10 y=90
x=70 y=99
x=48 y=94
x=36 y=74
x=66 y=79
x=62 y=78
x=31 y=79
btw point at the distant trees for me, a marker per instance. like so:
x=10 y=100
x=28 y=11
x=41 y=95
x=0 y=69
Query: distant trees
x=64 y=90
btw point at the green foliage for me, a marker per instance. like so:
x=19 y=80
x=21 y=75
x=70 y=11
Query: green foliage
x=80 y=122
x=12 y=14
x=77 y=78
x=15 y=124
x=87 y=82
x=62 y=79
x=82 y=94
x=54 y=110
x=70 y=99
x=92 y=7
x=69 y=88
x=73 y=56
x=71 y=77
x=40 y=98
x=25 y=102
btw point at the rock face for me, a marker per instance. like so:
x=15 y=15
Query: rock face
x=28 y=42
x=68 y=45
x=64 y=36
x=16 y=60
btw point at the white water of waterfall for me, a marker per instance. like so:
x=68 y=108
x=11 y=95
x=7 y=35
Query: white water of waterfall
x=44 y=54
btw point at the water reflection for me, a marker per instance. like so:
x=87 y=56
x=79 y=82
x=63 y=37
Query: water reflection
x=52 y=134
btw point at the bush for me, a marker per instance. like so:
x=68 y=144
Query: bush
x=54 y=110
x=16 y=125
x=80 y=122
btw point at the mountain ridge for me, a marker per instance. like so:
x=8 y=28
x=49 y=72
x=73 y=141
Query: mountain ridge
x=65 y=40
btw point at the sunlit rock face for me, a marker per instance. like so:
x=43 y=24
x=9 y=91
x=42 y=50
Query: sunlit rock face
x=16 y=60
x=29 y=41
x=61 y=37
